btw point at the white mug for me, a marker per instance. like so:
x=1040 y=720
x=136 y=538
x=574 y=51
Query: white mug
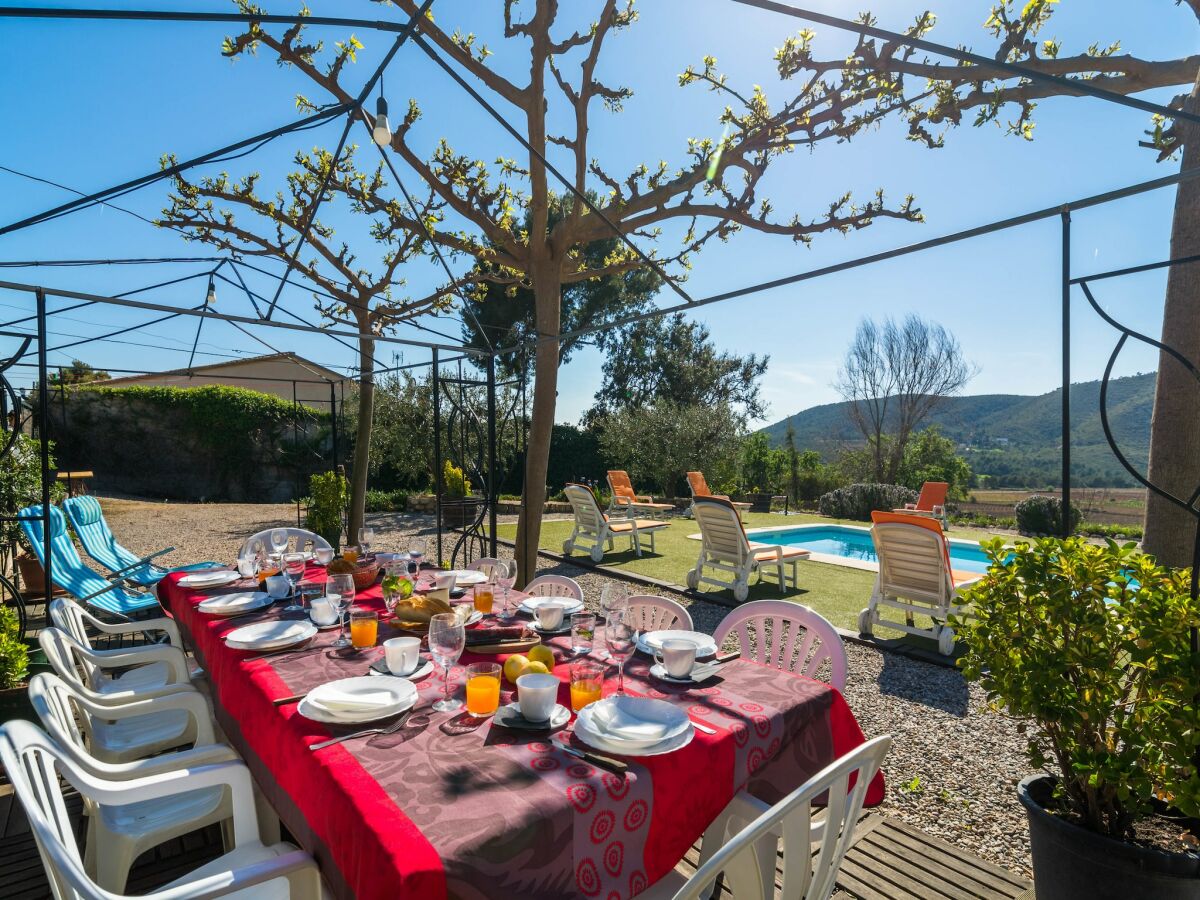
x=403 y=655
x=322 y=611
x=537 y=695
x=677 y=656
x=278 y=586
x=550 y=616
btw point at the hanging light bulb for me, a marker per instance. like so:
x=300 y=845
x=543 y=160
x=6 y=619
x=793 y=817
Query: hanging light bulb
x=383 y=129
x=211 y=297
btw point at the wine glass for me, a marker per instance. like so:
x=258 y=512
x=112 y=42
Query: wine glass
x=339 y=591
x=416 y=552
x=366 y=536
x=293 y=567
x=447 y=638
x=279 y=540
x=613 y=597
x=620 y=636
x=505 y=573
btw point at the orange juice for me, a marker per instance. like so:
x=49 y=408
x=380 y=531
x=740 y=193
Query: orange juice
x=483 y=695
x=364 y=631
x=585 y=692
x=350 y=554
x=483 y=599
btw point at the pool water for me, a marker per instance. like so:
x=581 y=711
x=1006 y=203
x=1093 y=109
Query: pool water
x=855 y=543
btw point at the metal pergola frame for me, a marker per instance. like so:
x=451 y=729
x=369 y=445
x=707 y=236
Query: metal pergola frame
x=410 y=31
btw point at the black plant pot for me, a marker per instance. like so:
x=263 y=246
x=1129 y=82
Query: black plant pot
x=460 y=512
x=1072 y=863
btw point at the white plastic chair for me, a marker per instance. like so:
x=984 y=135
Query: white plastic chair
x=651 y=613
x=487 y=565
x=744 y=841
x=554 y=586
x=72 y=618
x=303 y=541
x=251 y=870
x=140 y=672
x=787 y=636
x=117 y=835
x=725 y=547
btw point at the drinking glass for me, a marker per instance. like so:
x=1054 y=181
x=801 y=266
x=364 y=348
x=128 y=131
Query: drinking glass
x=416 y=552
x=587 y=683
x=483 y=688
x=323 y=556
x=484 y=598
x=583 y=632
x=364 y=627
x=339 y=589
x=614 y=596
x=366 y=537
x=293 y=567
x=620 y=636
x=505 y=574
x=447 y=638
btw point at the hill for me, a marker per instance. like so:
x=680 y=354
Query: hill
x=1013 y=438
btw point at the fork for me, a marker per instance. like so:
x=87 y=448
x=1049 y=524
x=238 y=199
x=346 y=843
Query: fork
x=389 y=729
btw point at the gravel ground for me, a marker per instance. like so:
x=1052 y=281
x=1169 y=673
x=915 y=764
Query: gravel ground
x=953 y=768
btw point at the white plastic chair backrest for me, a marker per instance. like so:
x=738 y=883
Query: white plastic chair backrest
x=750 y=874
x=652 y=613
x=588 y=516
x=62 y=652
x=721 y=530
x=304 y=541
x=912 y=561
x=787 y=636
x=71 y=618
x=51 y=698
x=554 y=586
x=488 y=565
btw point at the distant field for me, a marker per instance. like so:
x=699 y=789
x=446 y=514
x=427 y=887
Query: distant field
x=1118 y=506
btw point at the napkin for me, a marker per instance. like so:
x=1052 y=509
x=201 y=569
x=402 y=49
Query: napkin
x=208 y=577
x=613 y=720
x=496 y=635
x=336 y=700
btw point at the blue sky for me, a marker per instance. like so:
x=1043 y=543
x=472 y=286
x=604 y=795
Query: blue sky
x=89 y=104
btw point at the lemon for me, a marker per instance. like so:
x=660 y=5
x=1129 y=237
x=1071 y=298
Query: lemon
x=544 y=655
x=536 y=668
x=515 y=666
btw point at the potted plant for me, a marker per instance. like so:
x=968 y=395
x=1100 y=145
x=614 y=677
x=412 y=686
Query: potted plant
x=14 y=655
x=458 y=507
x=1088 y=648
x=329 y=492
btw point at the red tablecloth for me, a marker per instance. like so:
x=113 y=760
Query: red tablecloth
x=450 y=807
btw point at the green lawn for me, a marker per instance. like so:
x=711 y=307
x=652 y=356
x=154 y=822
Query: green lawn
x=836 y=592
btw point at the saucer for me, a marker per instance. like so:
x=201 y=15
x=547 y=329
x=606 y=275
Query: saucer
x=660 y=672
x=510 y=717
x=562 y=629
x=379 y=667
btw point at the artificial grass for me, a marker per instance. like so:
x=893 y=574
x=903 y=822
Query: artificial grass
x=836 y=592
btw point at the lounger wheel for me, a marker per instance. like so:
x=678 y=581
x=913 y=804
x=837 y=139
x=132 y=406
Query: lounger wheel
x=946 y=640
x=865 y=622
x=568 y=547
x=741 y=592
x=693 y=579
x=597 y=553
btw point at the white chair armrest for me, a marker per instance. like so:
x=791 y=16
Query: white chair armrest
x=192 y=702
x=199 y=755
x=298 y=866
x=162 y=623
x=140 y=656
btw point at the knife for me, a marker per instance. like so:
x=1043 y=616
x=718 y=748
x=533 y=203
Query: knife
x=604 y=762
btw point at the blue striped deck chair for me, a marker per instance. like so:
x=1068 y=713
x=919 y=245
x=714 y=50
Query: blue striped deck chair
x=90 y=526
x=68 y=572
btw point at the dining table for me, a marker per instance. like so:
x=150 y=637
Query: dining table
x=451 y=805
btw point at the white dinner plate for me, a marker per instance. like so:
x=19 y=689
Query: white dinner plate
x=633 y=723
x=466 y=577
x=668 y=746
x=271 y=635
x=216 y=578
x=235 y=604
x=651 y=641
x=569 y=604
x=381 y=696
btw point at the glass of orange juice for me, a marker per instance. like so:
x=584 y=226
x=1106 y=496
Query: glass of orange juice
x=587 y=683
x=350 y=554
x=364 y=628
x=484 y=598
x=483 y=688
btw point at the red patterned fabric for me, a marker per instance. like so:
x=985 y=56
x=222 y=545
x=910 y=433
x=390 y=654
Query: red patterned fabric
x=453 y=807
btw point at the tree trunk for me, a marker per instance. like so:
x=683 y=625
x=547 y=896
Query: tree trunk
x=1175 y=426
x=547 y=292
x=362 y=439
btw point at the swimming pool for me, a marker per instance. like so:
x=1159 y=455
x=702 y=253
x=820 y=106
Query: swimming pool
x=850 y=542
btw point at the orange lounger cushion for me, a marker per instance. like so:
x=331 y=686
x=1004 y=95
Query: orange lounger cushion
x=642 y=525
x=788 y=553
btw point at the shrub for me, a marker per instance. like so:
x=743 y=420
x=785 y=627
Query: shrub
x=330 y=492
x=1090 y=645
x=454 y=482
x=1039 y=514
x=856 y=501
x=14 y=655
x=387 y=501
